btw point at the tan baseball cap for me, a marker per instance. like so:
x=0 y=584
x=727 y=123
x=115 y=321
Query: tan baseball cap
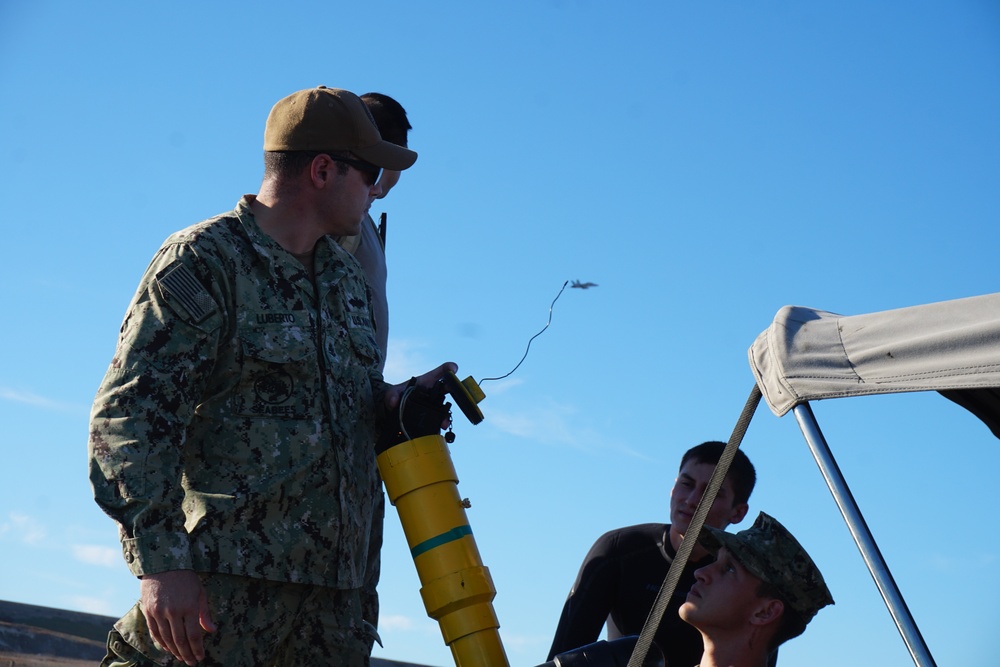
x=331 y=119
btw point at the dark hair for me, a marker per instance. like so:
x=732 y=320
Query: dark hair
x=741 y=471
x=287 y=164
x=790 y=625
x=390 y=117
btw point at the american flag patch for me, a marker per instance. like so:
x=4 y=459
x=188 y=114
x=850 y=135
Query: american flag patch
x=178 y=283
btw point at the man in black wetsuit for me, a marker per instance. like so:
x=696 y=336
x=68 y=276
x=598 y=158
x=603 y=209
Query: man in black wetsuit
x=622 y=574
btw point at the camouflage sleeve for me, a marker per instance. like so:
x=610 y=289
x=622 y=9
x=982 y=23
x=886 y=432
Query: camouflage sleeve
x=369 y=593
x=166 y=350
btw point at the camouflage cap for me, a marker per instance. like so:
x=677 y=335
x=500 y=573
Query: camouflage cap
x=771 y=554
x=331 y=119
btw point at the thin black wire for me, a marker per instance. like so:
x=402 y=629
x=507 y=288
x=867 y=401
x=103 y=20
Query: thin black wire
x=533 y=337
x=402 y=406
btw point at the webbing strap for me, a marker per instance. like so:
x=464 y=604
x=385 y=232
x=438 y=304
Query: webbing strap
x=691 y=536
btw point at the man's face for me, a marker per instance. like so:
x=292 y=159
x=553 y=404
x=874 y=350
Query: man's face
x=690 y=485
x=348 y=198
x=723 y=597
x=388 y=180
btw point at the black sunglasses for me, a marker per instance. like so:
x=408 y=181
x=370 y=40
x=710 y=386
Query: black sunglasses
x=369 y=172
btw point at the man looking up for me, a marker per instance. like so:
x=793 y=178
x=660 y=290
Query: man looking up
x=619 y=579
x=761 y=591
x=232 y=437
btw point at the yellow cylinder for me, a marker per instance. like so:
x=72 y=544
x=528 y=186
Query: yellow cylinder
x=456 y=587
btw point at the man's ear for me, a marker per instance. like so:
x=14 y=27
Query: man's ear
x=321 y=170
x=768 y=611
x=739 y=512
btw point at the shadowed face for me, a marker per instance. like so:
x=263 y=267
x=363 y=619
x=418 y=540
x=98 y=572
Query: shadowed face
x=348 y=195
x=690 y=485
x=723 y=597
x=388 y=180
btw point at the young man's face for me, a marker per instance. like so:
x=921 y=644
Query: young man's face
x=723 y=597
x=690 y=485
x=388 y=180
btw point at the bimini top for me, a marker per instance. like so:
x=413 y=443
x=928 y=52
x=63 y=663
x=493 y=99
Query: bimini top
x=952 y=347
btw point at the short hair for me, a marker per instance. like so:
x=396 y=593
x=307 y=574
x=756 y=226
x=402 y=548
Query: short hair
x=741 y=472
x=390 y=117
x=790 y=625
x=287 y=164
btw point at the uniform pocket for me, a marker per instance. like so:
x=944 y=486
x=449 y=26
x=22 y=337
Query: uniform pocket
x=364 y=344
x=279 y=375
x=129 y=643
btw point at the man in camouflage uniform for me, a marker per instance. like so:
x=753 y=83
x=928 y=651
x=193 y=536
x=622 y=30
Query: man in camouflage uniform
x=760 y=592
x=232 y=437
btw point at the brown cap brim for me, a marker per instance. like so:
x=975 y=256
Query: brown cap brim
x=387 y=155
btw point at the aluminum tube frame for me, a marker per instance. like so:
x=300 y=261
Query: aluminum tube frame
x=863 y=537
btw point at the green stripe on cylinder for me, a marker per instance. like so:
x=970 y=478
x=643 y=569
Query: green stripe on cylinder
x=436 y=541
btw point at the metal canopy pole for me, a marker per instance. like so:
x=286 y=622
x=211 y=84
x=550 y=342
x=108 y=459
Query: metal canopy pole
x=863 y=537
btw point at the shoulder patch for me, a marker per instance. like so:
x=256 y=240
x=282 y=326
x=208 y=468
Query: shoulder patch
x=178 y=283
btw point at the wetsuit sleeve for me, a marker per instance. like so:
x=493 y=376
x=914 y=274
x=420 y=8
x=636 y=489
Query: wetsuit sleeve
x=589 y=601
x=166 y=350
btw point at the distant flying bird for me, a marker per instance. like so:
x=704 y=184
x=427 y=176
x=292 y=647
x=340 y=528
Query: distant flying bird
x=579 y=285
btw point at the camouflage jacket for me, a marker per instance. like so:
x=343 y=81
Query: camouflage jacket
x=233 y=430
x=367 y=248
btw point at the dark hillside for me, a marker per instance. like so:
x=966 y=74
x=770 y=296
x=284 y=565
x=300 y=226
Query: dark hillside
x=32 y=636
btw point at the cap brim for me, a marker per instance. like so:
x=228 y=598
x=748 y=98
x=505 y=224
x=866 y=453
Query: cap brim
x=387 y=155
x=714 y=539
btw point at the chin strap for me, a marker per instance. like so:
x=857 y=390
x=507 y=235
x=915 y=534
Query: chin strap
x=691 y=535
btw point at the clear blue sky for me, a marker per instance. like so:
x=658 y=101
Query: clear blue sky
x=704 y=163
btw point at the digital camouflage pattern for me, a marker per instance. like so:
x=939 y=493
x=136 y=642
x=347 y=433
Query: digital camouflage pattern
x=771 y=554
x=367 y=248
x=322 y=630
x=233 y=430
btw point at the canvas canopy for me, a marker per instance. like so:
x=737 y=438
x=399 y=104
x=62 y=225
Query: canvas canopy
x=952 y=347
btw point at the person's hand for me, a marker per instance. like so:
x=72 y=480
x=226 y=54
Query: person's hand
x=427 y=380
x=176 y=610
